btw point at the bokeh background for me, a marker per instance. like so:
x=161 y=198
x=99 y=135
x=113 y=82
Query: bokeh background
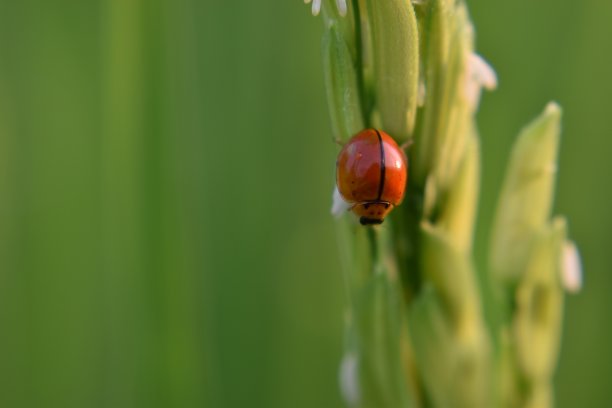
x=166 y=169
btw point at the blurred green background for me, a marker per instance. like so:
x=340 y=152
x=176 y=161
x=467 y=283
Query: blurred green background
x=166 y=169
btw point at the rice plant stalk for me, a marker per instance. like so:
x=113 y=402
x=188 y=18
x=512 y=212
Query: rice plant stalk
x=415 y=329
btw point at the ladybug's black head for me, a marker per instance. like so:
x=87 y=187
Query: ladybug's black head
x=370 y=221
x=372 y=212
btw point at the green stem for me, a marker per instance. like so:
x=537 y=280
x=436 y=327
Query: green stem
x=363 y=95
x=406 y=221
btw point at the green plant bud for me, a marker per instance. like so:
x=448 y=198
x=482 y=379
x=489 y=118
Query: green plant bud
x=458 y=211
x=342 y=86
x=345 y=24
x=541 y=396
x=395 y=47
x=433 y=344
x=447 y=329
x=539 y=304
x=430 y=197
x=456 y=113
x=508 y=388
x=374 y=373
x=455 y=373
x=355 y=253
x=449 y=270
x=526 y=197
x=439 y=21
x=378 y=327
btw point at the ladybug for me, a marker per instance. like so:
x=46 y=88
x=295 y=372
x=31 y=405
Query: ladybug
x=371 y=174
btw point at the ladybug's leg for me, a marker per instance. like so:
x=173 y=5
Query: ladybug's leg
x=338 y=142
x=406 y=145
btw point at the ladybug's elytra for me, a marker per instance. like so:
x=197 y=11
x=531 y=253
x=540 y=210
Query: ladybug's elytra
x=371 y=173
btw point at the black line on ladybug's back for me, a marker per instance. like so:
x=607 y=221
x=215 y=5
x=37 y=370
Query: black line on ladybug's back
x=381 y=184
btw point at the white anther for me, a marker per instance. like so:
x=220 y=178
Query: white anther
x=571 y=268
x=339 y=205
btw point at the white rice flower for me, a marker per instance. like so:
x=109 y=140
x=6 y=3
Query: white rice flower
x=349 y=375
x=339 y=206
x=479 y=74
x=316 y=6
x=571 y=268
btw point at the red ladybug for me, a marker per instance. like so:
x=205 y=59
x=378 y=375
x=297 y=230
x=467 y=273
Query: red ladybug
x=371 y=173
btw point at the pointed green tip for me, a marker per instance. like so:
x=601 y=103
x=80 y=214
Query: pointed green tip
x=553 y=110
x=547 y=125
x=527 y=193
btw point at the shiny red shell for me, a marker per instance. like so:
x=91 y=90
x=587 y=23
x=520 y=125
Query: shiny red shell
x=371 y=174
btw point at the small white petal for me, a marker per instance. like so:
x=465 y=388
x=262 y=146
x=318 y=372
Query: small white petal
x=483 y=72
x=479 y=74
x=316 y=6
x=341 y=7
x=339 y=205
x=349 y=376
x=571 y=268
